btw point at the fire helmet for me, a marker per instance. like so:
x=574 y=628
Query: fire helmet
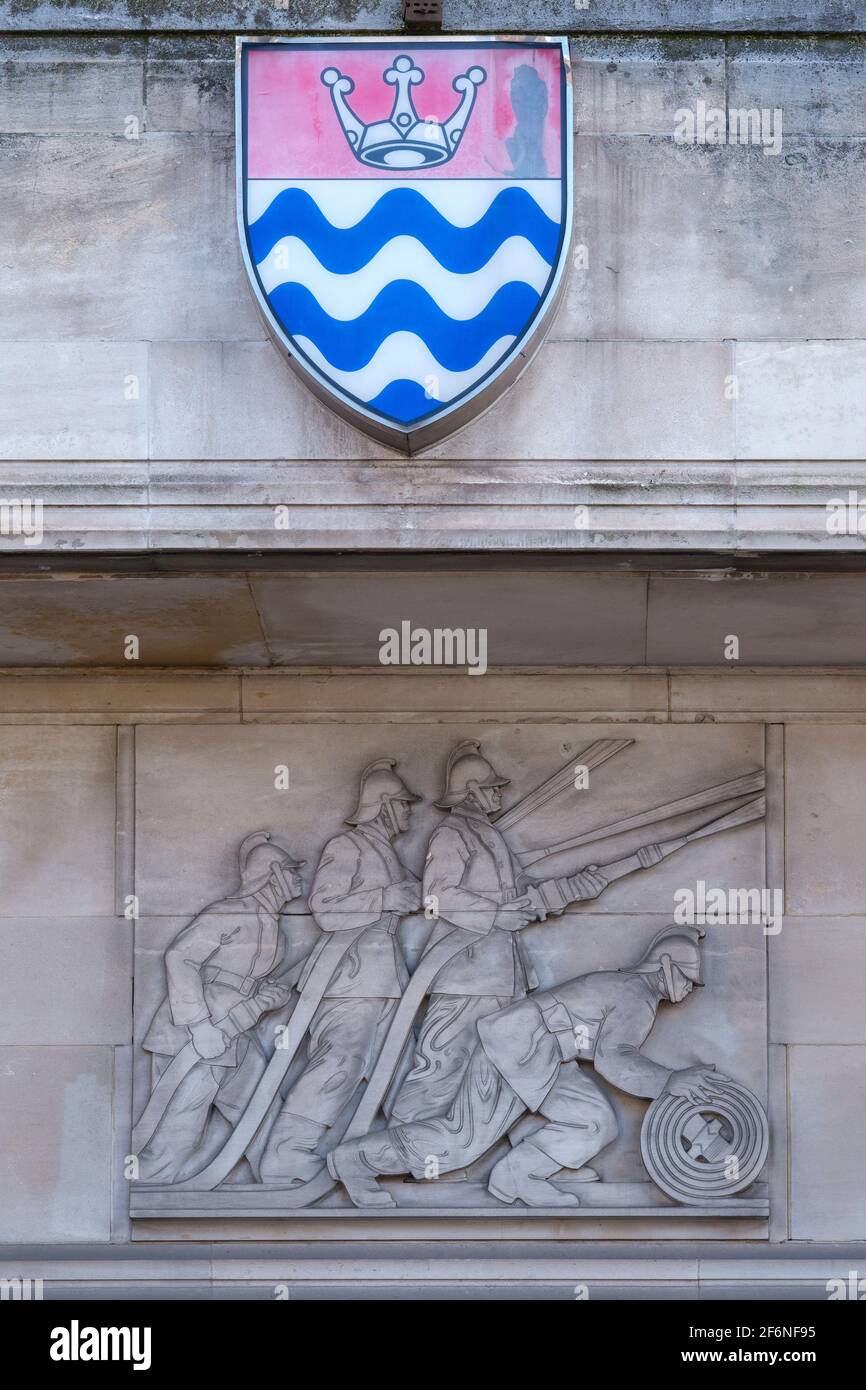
x=379 y=786
x=674 y=948
x=466 y=770
x=260 y=857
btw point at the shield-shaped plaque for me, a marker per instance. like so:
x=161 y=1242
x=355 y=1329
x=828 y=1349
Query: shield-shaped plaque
x=405 y=213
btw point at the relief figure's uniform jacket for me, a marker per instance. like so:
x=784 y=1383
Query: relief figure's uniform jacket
x=471 y=873
x=214 y=968
x=532 y=1058
x=351 y=1022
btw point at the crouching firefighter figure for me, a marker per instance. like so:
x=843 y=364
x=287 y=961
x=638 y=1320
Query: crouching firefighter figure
x=220 y=971
x=529 y=1060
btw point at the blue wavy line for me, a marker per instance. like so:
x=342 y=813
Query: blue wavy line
x=404 y=401
x=404 y=306
x=404 y=212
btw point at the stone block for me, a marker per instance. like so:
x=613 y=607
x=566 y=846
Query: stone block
x=818 y=83
x=780 y=697
x=240 y=401
x=190 y=86
x=825 y=799
x=186 y=620
x=780 y=620
x=134 y=239
x=120 y=697
x=57 y=821
x=627 y=85
x=507 y=16
x=620 y=695
x=828 y=1136
x=720 y=242
x=817 y=966
x=65 y=981
x=65 y=86
x=56 y=1186
x=530 y=619
x=801 y=400
x=609 y=400
x=83 y=400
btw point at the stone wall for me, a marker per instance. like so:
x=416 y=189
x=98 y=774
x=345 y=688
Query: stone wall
x=702 y=385
x=144 y=783
x=701 y=392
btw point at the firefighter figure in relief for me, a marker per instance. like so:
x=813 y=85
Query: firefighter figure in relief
x=383 y=1072
x=528 y=1060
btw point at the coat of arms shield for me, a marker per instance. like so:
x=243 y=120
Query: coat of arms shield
x=405 y=214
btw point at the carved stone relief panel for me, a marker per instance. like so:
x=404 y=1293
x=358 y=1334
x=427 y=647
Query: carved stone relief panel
x=451 y=968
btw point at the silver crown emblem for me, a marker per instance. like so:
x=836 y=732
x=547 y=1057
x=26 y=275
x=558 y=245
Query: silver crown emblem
x=404 y=141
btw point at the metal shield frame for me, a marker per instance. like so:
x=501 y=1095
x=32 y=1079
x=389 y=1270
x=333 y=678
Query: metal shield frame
x=480 y=397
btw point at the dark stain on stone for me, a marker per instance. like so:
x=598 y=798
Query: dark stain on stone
x=529 y=104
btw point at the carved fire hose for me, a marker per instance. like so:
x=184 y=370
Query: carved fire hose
x=430 y=965
x=701 y=1152
x=438 y=956
x=236 y=1145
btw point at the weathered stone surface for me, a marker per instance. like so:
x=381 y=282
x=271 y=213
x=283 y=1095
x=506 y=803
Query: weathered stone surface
x=65 y=981
x=437 y=505
x=193 y=621
x=56 y=816
x=828 y=1133
x=134 y=239
x=825 y=801
x=83 y=400
x=615 y=400
x=687 y=241
x=818 y=83
x=504 y=15
x=554 y=619
x=57 y=1185
x=68 y=86
x=817 y=967
x=778 y=619
x=527 y=618
x=240 y=400
x=69 y=486
x=626 y=85
x=778 y=697
x=190 y=89
x=793 y=395
x=460 y=1263
x=446 y=696
x=119 y=697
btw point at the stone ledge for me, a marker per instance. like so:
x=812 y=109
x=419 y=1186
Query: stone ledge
x=470 y=1201
x=725 y=508
x=508 y=16
x=425 y=1268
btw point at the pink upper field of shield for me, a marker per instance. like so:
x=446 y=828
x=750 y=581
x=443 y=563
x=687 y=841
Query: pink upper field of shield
x=292 y=132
